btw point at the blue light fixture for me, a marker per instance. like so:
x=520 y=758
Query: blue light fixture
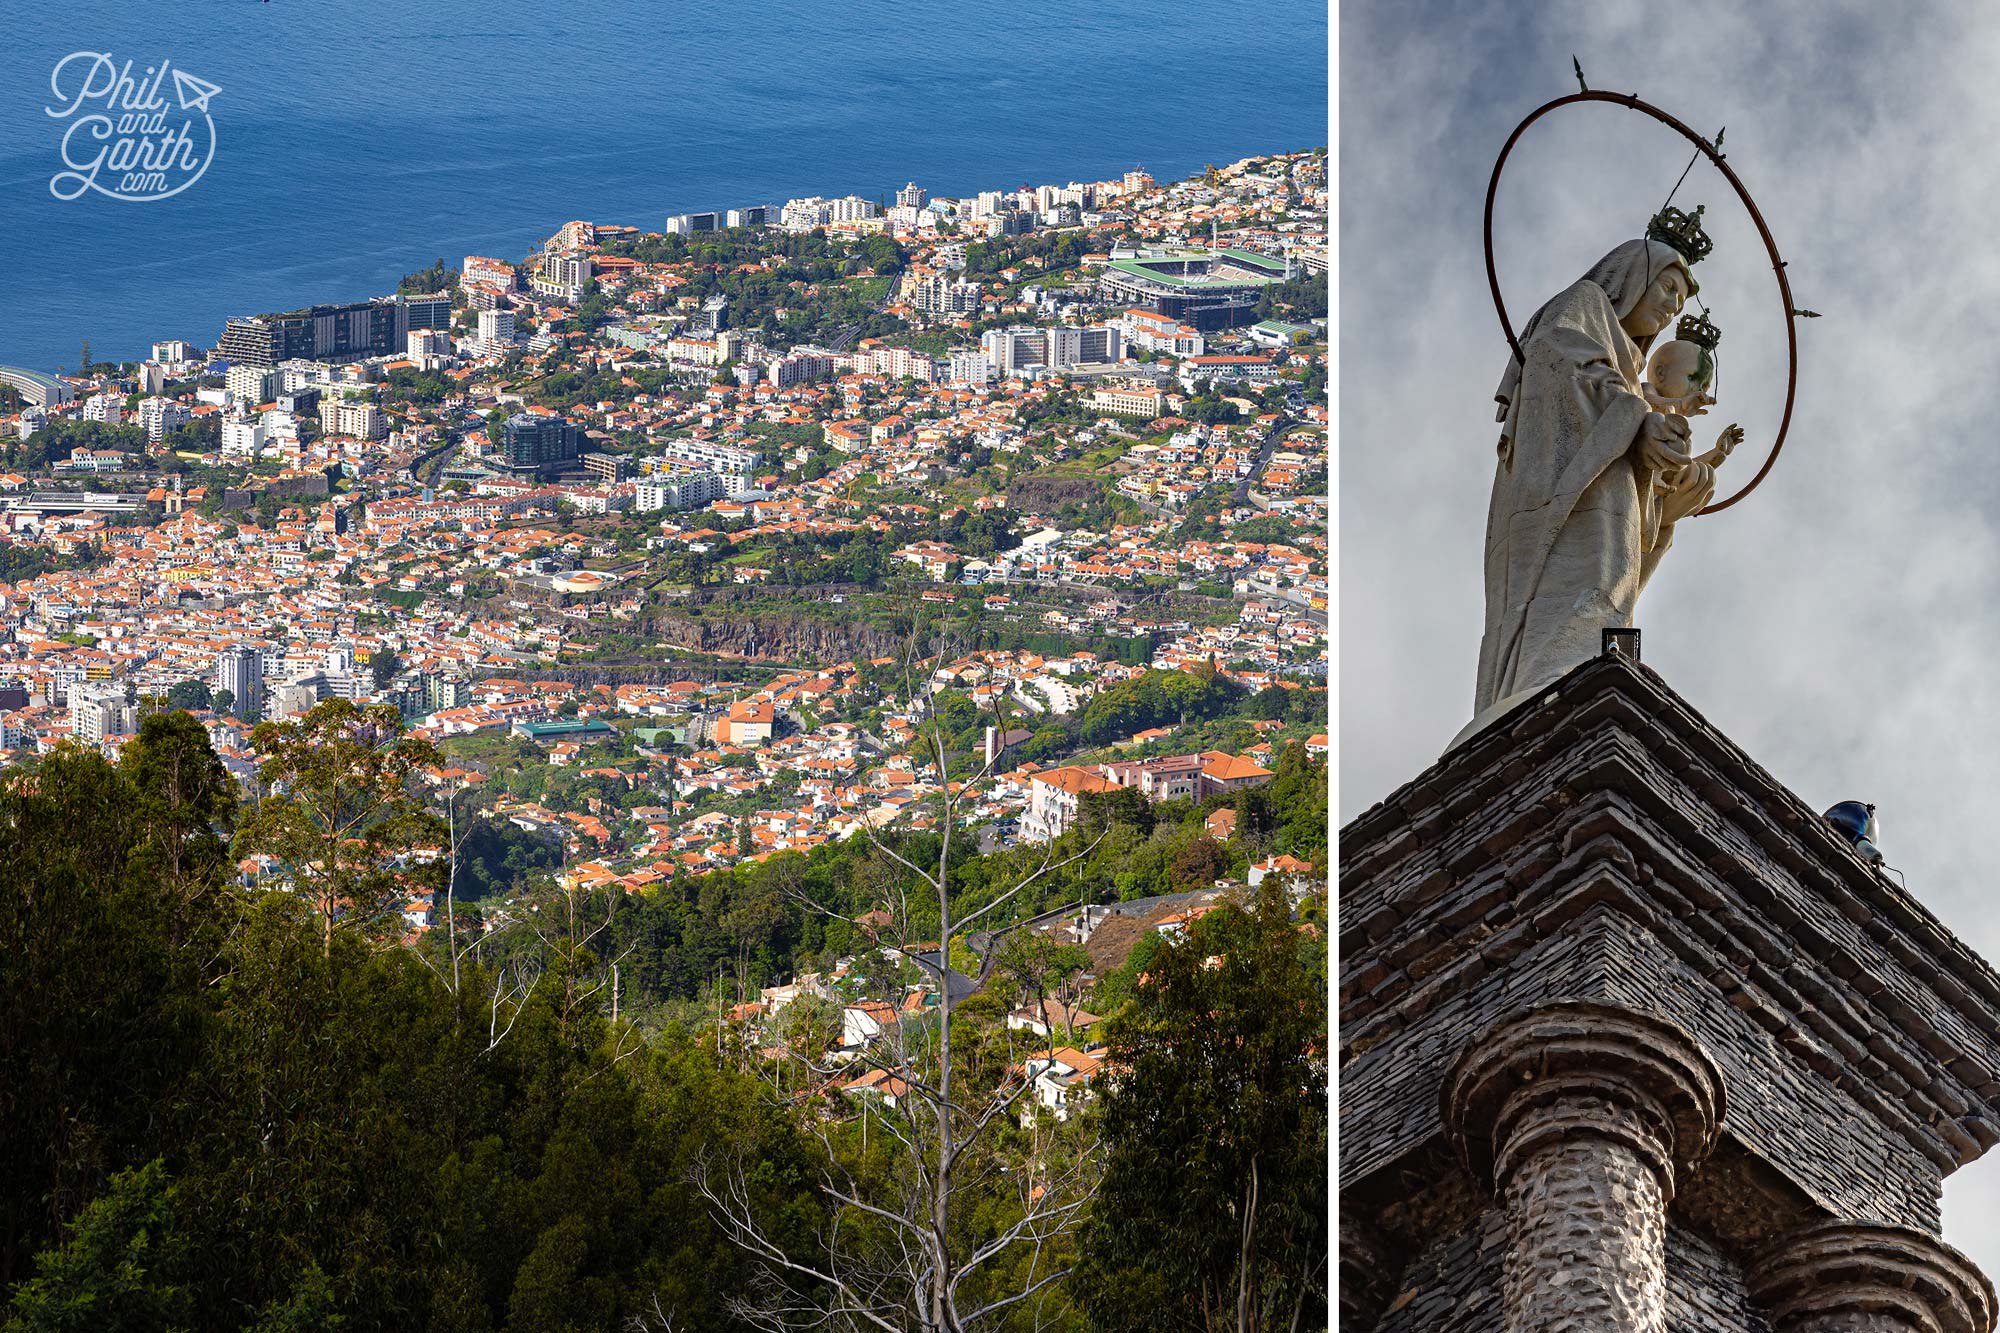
x=1855 y=821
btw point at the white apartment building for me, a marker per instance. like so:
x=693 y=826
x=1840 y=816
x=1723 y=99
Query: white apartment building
x=688 y=490
x=971 y=368
x=429 y=348
x=251 y=385
x=160 y=415
x=1053 y=798
x=356 y=417
x=805 y=214
x=736 y=468
x=496 y=331
x=98 y=709
x=939 y=295
x=247 y=438
x=108 y=408
x=852 y=208
x=1067 y=345
x=1012 y=350
x=1060 y=347
x=562 y=277
x=801 y=365
x=1129 y=402
x=897 y=363
x=1161 y=334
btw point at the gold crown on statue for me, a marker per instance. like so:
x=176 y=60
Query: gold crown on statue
x=1682 y=231
x=1698 y=330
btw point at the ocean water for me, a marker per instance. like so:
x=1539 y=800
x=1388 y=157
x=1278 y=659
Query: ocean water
x=357 y=140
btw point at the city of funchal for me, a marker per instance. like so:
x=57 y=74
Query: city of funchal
x=752 y=769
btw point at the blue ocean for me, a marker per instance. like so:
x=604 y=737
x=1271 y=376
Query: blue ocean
x=348 y=142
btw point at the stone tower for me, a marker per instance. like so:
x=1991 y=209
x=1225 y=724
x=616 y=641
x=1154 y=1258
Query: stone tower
x=1633 y=1042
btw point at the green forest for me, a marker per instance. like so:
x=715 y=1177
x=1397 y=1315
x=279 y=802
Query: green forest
x=248 y=1108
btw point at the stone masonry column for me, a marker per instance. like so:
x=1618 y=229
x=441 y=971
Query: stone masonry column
x=1578 y=1114
x=1860 y=1277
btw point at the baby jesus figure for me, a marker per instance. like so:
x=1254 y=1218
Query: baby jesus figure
x=1677 y=383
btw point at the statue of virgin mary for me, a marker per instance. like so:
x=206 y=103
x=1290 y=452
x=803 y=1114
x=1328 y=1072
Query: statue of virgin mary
x=1580 y=512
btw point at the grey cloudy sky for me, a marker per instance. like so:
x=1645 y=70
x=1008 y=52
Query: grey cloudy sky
x=1843 y=623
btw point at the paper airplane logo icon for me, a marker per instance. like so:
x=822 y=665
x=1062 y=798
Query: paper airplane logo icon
x=194 y=93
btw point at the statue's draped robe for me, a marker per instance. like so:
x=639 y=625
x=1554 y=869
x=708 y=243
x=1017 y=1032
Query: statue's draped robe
x=1569 y=544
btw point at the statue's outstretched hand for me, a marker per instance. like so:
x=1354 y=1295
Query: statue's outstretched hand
x=1725 y=443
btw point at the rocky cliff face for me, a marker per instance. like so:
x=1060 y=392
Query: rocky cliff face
x=771 y=638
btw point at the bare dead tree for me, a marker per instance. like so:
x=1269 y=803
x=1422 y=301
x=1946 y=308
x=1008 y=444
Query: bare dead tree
x=513 y=984
x=895 y=1254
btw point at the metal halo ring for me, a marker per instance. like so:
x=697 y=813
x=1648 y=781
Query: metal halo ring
x=1707 y=150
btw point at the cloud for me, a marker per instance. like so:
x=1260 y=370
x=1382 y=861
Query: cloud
x=1843 y=623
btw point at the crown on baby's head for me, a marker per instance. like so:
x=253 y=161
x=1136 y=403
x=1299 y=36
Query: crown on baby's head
x=1698 y=330
x=1682 y=231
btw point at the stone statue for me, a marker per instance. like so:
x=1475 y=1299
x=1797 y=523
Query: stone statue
x=1678 y=379
x=1593 y=473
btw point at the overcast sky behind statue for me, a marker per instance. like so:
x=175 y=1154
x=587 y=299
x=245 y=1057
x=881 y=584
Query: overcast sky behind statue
x=1843 y=623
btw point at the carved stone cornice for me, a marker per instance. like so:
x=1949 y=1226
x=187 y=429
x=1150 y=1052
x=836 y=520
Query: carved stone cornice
x=1581 y=1114
x=1582 y=1069
x=1847 y=1277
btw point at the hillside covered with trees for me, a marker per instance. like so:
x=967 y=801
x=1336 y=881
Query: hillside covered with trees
x=226 y=1108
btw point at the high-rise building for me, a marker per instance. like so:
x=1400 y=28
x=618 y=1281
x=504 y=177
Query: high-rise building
x=852 y=208
x=429 y=349
x=912 y=195
x=1009 y=222
x=251 y=385
x=293 y=697
x=686 y=224
x=442 y=691
x=244 y=437
x=686 y=490
x=1067 y=345
x=496 y=330
x=174 y=350
x=1015 y=349
x=971 y=368
x=802 y=365
x=161 y=415
x=353 y=416
x=562 y=277
x=538 y=442
x=761 y=215
x=240 y=670
x=350 y=332
x=491 y=272
x=805 y=214
x=98 y=709
x=108 y=408
x=937 y=294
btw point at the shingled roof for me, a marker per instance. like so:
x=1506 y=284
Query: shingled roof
x=1605 y=842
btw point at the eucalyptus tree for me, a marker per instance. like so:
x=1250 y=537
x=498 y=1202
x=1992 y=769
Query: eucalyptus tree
x=339 y=814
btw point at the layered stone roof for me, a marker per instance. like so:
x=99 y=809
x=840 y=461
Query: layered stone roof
x=1604 y=843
